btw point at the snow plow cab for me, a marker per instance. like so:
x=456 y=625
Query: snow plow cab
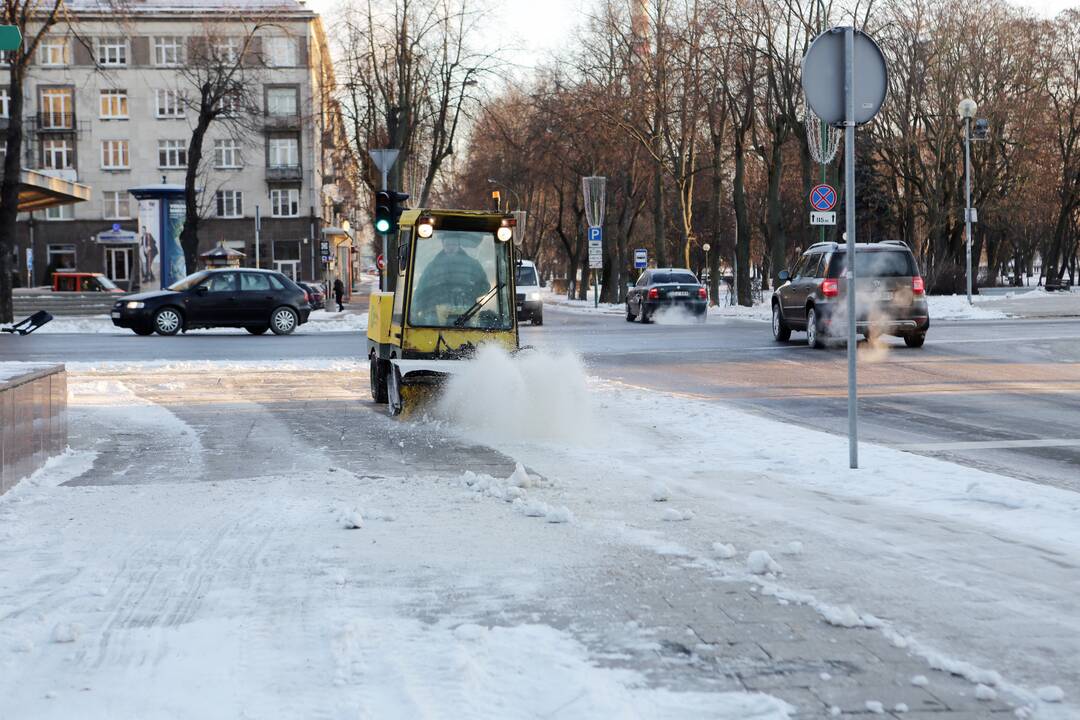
x=454 y=292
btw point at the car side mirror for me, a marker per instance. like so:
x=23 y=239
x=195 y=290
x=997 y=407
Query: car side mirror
x=784 y=276
x=201 y=290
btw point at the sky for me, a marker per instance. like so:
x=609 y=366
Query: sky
x=534 y=29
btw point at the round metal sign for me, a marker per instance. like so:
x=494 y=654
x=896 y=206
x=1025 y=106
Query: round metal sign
x=380 y=262
x=823 y=198
x=823 y=77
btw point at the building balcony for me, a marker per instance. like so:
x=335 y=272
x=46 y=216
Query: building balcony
x=273 y=123
x=54 y=122
x=283 y=173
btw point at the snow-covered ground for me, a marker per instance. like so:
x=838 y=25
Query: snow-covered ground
x=942 y=307
x=318 y=321
x=312 y=591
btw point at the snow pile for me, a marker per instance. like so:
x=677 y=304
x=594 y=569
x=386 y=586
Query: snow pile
x=319 y=321
x=531 y=395
x=956 y=307
x=660 y=492
x=1051 y=694
x=985 y=692
x=723 y=551
x=760 y=562
x=677 y=515
x=351 y=519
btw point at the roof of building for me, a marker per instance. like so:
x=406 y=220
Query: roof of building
x=239 y=8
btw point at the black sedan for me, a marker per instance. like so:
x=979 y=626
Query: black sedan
x=258 y=300
x=316 y=296
x=667 y=290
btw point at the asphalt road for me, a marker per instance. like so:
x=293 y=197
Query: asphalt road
x=1000 y=395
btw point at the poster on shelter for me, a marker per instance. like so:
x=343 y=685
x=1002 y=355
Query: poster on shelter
x=177 y=267
x=150 y=245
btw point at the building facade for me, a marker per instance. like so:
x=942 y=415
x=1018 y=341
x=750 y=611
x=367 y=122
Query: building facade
x=111 y=100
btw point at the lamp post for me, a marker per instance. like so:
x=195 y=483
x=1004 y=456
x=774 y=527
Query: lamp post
x=967 y=109
x=707 y=247
x=509 y=189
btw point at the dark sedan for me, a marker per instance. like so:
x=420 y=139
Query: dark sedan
x=663 y=290
x=258 y=300
x=316 y=296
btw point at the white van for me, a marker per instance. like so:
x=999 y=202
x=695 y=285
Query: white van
x=530 y=306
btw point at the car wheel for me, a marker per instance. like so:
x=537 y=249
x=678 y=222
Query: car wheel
x=167 y=321
x=283 y=321
x=644 y=317
x=257 y=330
x=377 y=372
x=538 y=320
x=630 y=316
x=780 y=331
x=813 y=330
x=915 y=340
x=143 y=331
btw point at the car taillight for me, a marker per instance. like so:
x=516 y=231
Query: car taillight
x=830 y=288
x=701 y=293
x=307 y=296
x=917 y=286
x=653 y=293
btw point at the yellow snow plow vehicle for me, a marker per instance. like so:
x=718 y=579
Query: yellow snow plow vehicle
x=454 y=292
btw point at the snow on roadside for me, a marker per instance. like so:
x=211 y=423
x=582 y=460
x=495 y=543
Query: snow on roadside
x=319 y=321
x=868 y=531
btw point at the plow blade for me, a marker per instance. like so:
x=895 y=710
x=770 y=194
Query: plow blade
x=413 y=385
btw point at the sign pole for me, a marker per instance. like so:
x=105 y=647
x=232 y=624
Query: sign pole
x=849 y=207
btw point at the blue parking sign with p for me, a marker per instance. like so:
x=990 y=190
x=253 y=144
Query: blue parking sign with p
x=596 y=233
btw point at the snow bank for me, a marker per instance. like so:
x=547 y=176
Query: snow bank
x=319 y=321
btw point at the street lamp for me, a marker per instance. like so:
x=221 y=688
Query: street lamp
x=509 y=189
x=967 y=109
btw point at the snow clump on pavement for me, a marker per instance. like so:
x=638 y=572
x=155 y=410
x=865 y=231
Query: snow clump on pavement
x=920 y=681
x=520 y=477
x=724 y=551
x=760 y=562
x=875 y=707
x=985 y=692
x=1051 y=694
x=351 y=519
x=677 y=515
x=842 y=616
x=793 y=548
x=559 y=515
x=900 y=708
x=66 y=633
x=660 y=492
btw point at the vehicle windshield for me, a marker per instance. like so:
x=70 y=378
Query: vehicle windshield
x=673 y=277
x=454 y=270
x=106 y=283
x=190 y=281
x=526 y=276
x=876 y=263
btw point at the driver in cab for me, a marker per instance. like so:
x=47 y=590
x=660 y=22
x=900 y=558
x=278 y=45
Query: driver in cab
x=452 y=278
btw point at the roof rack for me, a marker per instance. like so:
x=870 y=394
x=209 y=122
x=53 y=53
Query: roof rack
x=893 y=242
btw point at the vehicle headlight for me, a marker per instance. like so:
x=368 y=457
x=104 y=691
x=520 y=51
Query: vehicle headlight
x=135 y=305
x=532 y=296
x=504 y=233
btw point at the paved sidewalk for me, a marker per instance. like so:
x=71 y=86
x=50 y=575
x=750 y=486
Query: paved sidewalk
x=679 y=622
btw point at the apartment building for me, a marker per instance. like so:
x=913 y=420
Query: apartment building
x=108 y=105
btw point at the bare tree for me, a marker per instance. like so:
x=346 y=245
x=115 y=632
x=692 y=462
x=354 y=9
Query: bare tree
x=35 y=20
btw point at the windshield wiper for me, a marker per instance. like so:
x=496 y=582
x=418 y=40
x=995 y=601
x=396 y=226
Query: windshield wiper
x=480 y=302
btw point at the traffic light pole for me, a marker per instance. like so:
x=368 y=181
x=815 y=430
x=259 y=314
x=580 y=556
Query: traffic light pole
x=385 y=245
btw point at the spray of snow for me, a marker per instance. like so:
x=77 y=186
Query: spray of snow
x=676 y=315
x=529 y=396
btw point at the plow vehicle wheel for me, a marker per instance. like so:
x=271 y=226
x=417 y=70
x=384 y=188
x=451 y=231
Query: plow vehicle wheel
x=394 y=399
x=377 y=371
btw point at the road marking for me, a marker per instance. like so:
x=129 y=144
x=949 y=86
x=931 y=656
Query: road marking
x=988 y=445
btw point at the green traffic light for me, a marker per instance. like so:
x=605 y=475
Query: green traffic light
x=382 y=225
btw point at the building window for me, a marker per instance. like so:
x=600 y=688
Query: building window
x=114 y=155
x=53 y=52
x=57 y=108
x=57 y=153
x=226 y=49
x=60 y=256
x=114 y=105
x=226 y=154
x=281 y=101
x=61 y=212
x=230 y=104
x=168 y=51
x=172 y=154
x=117 y=204
x=285 y=202
x=5 y=102
x=281 y=51
x=230 y=204
x=168 y=104
x=284 y=152
x=112 y=51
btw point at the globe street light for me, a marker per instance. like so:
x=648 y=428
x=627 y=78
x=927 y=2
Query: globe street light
x=967 y=109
